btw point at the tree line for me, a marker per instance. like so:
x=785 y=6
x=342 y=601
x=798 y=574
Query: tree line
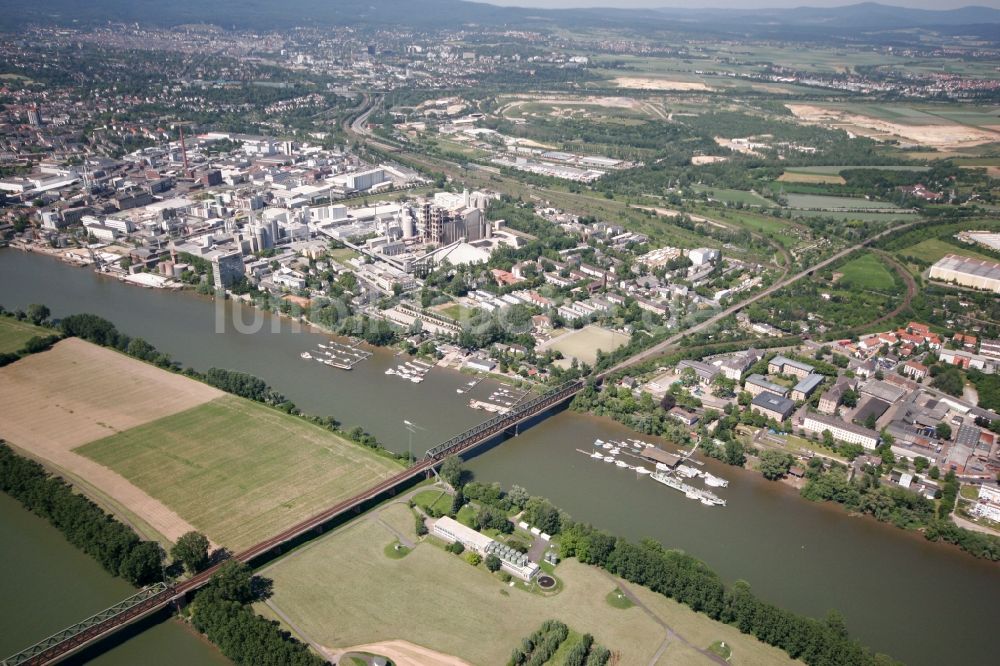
x=222 y=611
x=115 y=546
x=901 y=507
x=37 y=315
x=690 y=581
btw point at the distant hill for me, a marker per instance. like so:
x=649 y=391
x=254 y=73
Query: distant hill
x=805 y=22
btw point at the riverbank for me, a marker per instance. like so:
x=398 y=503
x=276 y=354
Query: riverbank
x=795 y=554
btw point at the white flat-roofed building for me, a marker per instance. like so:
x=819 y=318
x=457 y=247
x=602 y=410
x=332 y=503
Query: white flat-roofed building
x=451 y=531
x=842 y=431
x=988 y=504
x=975 y=273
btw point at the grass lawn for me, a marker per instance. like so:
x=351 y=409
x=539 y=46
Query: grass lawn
x=342 y=254
x=825 y=202
x=933 y=249
x=457 y=311
x=722 y=649
x=237 y=470
x=774 y=228
x=467 y=516
x=584 y=343
x=617 y=599
x=434 y=497
x=14 y=333
x=868 y=272
x=969 y=492
x=461 y=610
x=572 y=639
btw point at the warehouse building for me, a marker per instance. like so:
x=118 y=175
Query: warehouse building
x=974 y=273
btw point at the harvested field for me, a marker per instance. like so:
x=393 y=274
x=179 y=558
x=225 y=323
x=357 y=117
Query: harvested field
x=943 y=134
x=698 y=160
x=14 y=333
x=240 y=471
x=584 y=343
x=822 y=178
x=77 y=392
x=649 y=83
x=366 y=608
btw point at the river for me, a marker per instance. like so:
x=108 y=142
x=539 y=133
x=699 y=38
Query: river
x=921 y=602
x=49 y=584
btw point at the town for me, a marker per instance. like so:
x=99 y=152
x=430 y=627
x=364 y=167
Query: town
x=448 y=333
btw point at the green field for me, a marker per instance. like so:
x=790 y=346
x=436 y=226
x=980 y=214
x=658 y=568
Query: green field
x=735 y=196
x=867 y=272
x=933 y=249
x=438 y=600
x=873 y=216
x=837 y=170
x=14 y=333
x=240 y=471
x=823 y=202
x=584 y=343
x=779 y=230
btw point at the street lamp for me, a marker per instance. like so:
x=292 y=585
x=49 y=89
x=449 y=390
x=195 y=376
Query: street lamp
x=411 y=428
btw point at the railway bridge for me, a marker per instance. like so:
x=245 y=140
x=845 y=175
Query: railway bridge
x=157 y=597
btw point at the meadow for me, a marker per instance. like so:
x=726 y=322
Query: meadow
x=77 y=392
x=438 y=600
x=822 y=202
x=14 y=333
x=867 y=272
x=240 y=471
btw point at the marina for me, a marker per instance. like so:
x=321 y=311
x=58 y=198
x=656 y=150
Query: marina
x=411 y=371
x=668 y=467
x=337 y=354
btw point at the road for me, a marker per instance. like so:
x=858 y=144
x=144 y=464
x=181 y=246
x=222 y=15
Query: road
x=665 y=345
x=357 y=128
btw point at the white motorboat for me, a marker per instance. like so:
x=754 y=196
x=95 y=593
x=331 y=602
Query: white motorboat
x=596 y=454
x=642 y=470
x=609 y=458
x=621 y=463
x=306 y=355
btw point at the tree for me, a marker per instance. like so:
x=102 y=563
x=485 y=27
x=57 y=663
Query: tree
x=191 y=550
x=143 y=564
x=943 y=430
x=37 y=314
x=668 y=402
x=451 y=471
x=518 y=496
x=234 y=581
x=493 y=563
x=934 y=472
x=735 y=453
x=920 y=463
x=775 y=464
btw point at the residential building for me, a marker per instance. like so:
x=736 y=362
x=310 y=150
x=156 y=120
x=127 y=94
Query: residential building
x=704 y=371
x=756 y=384
x=780 y=365
x=772 y=406
x=227 y=268
x=841 y=431
x=806 y=387
x=915 y=370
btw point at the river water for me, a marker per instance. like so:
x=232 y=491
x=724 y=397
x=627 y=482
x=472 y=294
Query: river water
x=923 y=603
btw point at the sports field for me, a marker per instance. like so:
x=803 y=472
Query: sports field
x=77 y=392
x=240 y=471
x=14 y=333
x=867 y=272
x=437 y=600
x=584 y=343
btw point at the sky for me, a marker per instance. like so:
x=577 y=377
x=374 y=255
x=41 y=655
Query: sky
x=742 y=4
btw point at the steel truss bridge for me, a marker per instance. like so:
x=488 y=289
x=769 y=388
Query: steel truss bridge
x=159 y=596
